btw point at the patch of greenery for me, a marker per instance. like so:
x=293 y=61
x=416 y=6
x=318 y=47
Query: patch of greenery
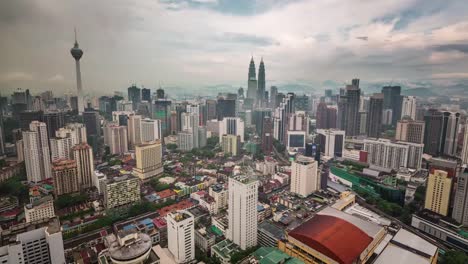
x=420 y=194
x=454 y=257
x=76 y=214
x=14 y=187
x=68 y=200
x=159 y=186
x=238 y=256
x=171 y=146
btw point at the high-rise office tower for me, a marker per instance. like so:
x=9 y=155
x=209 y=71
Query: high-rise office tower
x=353 y=94
x=252 y=81
x=242 y=211
x=393 y=100
x=37 y=152
x=54 y=120
x=374 y=116
x=150 y=130
x=240 y=93
x=267 y=135
x=325 y=116
x=331 y=142
x=134 y=96
x=92 y=124
x=304 y=176
x=65 y=177
x=210 y=109
x=341 y=112
x=181 y=236
x=363 y=123
x=36 y=245
x=225 y=107
x=232 y=126
x=258 y=116
x=134 y=130
x=438 y=190
x=28 y=116
x=146 y=94
x=408 y=107
x=77 y=53
x=261 y=84
x=160 y=94
x=460 y=208
x=281 y=117
x=464 y=155
x=432 y=132
x=116 y=138
x=148 y=160
x=450 y=125
x=83 y=155
x=410 y=131
x=162 y=111
x=273 y=96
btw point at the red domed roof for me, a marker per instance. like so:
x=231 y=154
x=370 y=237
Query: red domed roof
x=333 y=237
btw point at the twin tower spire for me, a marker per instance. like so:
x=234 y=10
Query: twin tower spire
x=256 y=89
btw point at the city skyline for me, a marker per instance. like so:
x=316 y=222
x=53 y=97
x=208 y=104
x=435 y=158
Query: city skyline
x=318 y=44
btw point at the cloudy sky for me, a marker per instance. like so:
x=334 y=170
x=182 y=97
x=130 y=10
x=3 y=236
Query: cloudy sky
x=199 y=43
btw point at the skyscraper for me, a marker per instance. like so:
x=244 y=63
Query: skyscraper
x=134 y=96
x=232 y=126
x=181 y=236
x=162 y=111
x=438 y=190
x=393 y=100
x=252 y=81
x=374 y=116
x=304 y=176
x=408 y=107
x=353 y=94
x=450 y=124
x=146 y=94
x=116 y=138
x=273 y=97
x=242 y=211
x=261 y=84
x=464 y=155
x=325 y=117
x=83 y=154
x=77 y=53
x=134 y=130
x=393 y=155
x=432 y=134
x=76 y=131
x=37 y=153
x=54 y=120
x=225 y=107
x=60 y=147
x=150 y=130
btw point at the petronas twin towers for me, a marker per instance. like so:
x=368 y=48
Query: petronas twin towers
x=256 y=88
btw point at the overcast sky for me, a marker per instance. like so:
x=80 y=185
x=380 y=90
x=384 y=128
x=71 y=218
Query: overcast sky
x=196 y=43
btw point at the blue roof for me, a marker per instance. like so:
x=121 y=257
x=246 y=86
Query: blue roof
x=147 y=222
x=260 y=208
x=129 y=227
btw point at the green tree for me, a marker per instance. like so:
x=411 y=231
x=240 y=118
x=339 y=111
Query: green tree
x=68 y=200
x=420 y=194
x=454 y=257
x=171 y=146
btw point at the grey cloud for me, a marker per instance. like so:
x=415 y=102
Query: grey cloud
x=452 y=47
x=365 y=38
x=246 y=38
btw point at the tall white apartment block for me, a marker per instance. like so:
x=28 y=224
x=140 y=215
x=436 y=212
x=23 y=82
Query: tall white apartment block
x=134 y=130
x=42 y=245
x=181 y=236
x=36 y=152
x=185 y=140
x=304 y=176
x=242 y=211
x=393 y=155
x=116 y=138
x=83 y=155
x=231 y=126
x=76 y=131
x=150 y=130
x=60 y=148
x=408 y=107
